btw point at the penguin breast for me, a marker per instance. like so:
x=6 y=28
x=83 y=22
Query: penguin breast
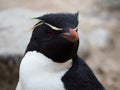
x=37 y=72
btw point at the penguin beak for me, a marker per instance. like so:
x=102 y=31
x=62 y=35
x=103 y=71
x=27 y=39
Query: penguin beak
x=71 y=35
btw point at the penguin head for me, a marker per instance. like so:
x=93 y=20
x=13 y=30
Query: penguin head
x=55 y=36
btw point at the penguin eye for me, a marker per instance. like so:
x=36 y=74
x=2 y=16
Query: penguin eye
x=50 y=34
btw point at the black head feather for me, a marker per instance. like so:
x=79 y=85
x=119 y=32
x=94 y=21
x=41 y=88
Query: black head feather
x=61 y=20
x=50 y=42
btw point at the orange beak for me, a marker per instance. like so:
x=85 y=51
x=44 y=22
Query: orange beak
x=72 y=35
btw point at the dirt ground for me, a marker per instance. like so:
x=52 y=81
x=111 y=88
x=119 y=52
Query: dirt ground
x=105 y=63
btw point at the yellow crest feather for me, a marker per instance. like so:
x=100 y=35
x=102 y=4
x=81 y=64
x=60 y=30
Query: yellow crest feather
x=51 y=26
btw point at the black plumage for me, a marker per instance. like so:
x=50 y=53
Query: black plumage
x=53 y=45
x=50 y=42
x=80 y=77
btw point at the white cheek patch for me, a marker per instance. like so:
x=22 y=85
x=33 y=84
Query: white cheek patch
x=37 y=72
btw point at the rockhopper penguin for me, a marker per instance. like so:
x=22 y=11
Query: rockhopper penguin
x=51 y=61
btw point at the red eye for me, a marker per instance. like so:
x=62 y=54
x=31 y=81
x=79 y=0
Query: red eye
x=50 y=34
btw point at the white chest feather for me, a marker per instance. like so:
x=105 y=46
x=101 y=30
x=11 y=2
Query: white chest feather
x=37 y=72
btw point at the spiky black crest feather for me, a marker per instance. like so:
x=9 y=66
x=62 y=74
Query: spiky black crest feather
x=61 y=20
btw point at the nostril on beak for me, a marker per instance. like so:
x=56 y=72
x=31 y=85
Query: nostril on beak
x=71 y=35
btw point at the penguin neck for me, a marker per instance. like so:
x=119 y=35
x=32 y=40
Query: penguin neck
x=39 y=60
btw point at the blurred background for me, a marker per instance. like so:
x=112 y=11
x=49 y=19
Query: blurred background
x=99 y=32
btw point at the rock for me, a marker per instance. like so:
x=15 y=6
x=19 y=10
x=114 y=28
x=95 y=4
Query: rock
x=111 y=4
x=9 y=72
x=83 y=50
x=15 y=30
x=110 y=73
x=99 y=38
